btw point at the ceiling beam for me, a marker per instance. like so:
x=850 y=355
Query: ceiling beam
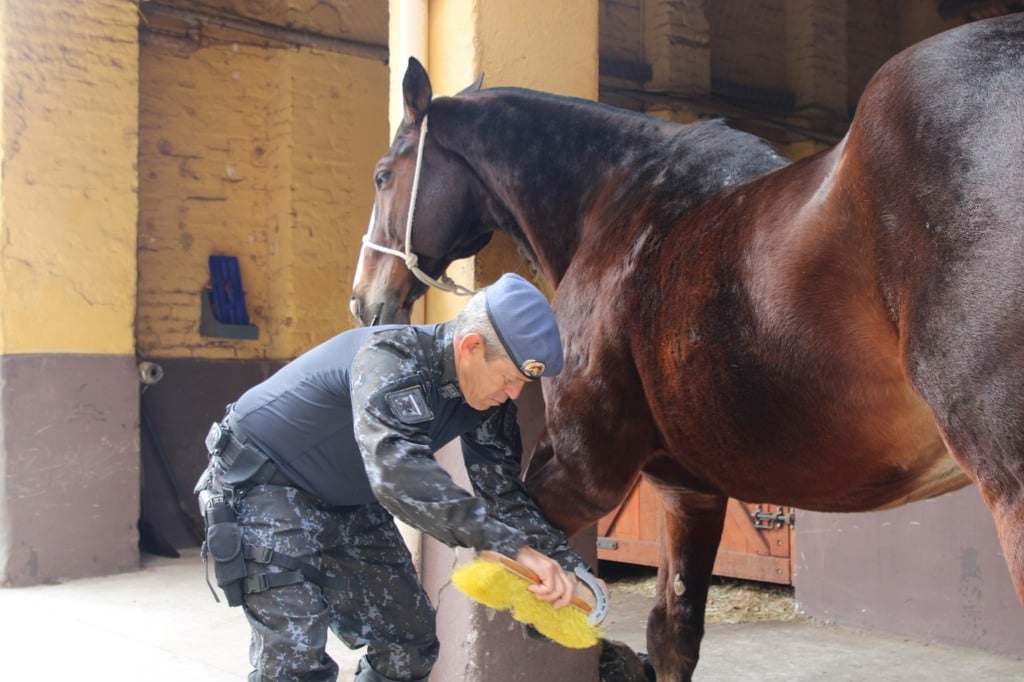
x=196 y=20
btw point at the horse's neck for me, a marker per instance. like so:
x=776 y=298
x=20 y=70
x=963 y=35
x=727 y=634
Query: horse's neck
x=538 y=167
x=563 y=170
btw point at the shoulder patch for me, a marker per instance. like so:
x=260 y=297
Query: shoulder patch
x=409 y=405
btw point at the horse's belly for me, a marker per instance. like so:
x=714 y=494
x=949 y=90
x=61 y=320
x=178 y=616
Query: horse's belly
x=856 y=477
x=823 y=454
x=943 y=476
x=899 y=452
x=907 y=472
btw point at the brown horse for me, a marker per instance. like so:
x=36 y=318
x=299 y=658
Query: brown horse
x=844 y=333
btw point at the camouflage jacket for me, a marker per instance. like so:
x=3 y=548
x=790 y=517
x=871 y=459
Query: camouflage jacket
x=360 y=417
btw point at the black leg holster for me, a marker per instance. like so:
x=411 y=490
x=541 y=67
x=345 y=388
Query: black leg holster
x=224 y=545
x=239 y=467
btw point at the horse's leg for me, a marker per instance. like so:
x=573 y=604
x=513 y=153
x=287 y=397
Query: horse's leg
x=573 y=492
x=1009 y=517
x=599 y=433
x=675 y=627
x=964 y=348
x=981 y=416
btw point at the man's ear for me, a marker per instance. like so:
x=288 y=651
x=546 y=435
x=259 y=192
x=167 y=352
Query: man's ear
x=466 y=345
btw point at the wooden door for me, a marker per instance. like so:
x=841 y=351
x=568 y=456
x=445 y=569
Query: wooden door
x=757 y=539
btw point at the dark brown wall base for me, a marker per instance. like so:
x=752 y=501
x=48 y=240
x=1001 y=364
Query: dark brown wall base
x=70 y=468
x=176 y=413
x=932 y=571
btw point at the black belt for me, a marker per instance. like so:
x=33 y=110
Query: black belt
x=255 y=466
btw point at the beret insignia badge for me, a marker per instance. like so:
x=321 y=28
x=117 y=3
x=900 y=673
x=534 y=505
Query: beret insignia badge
x=532 y=368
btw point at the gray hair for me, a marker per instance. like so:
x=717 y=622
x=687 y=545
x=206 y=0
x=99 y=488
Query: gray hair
x=474 y=319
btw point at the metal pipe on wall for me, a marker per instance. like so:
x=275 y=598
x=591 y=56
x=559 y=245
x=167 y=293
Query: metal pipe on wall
x=408 y=33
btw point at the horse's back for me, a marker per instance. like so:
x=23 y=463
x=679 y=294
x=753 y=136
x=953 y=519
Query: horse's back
x=864 y=299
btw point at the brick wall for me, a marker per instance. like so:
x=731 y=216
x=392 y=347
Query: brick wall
x=67 y=265
x=265 y=154
x=69 y=494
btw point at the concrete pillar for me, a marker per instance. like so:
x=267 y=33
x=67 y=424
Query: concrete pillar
x=408 y=33
x=545 y=46
x=69 y=469
x=677 y=45
x=816 y=61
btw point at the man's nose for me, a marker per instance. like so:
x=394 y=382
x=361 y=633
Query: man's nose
x=513 y=389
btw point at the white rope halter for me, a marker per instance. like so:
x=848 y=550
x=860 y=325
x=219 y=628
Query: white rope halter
x=443 y=282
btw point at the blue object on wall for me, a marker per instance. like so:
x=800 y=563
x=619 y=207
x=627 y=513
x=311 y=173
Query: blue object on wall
x=227 y=294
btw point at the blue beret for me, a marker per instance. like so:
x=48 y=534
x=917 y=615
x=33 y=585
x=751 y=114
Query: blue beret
x=526 y=325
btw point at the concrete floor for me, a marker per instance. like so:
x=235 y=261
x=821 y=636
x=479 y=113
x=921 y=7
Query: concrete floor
x=162 y=620
x=803 y=651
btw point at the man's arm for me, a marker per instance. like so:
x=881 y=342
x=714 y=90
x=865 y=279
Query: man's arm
x=406 y=479
x=493 y=455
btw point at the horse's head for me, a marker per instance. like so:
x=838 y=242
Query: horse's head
x=417 y=174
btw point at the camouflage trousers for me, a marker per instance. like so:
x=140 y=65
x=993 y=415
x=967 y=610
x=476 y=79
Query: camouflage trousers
x=384 y=607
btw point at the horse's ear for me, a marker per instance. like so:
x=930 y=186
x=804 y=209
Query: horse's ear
x=474 y=86
x=416 y=90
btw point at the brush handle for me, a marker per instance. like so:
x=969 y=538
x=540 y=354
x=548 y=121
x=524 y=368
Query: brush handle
x=528 y=574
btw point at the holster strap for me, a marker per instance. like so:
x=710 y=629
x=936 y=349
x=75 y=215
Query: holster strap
x=264 y=581
x=265 y=555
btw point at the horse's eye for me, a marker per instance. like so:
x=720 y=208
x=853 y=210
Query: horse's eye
x=381 y=177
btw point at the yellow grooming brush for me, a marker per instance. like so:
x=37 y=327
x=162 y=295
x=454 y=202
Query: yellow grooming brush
x=501 y=583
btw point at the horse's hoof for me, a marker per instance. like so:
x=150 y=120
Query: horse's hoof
x=619 y=663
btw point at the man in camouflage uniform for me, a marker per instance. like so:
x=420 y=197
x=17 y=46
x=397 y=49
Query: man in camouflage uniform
x=314 y=461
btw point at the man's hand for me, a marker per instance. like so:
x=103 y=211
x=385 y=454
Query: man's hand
x=556 y=586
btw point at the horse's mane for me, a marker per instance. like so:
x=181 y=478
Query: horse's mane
x=564 y=139
x=547 y=160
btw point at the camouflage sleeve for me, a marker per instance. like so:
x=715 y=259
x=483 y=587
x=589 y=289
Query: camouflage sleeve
x=493 y=455
x=400 y=464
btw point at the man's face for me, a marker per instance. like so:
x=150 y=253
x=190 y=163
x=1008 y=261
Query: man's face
x=485 y=383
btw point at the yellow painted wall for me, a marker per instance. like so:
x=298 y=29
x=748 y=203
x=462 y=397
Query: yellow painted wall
x=453 y=37
x=265 y=154
x=335 y=151
x=529 y=43
x=68 y=190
